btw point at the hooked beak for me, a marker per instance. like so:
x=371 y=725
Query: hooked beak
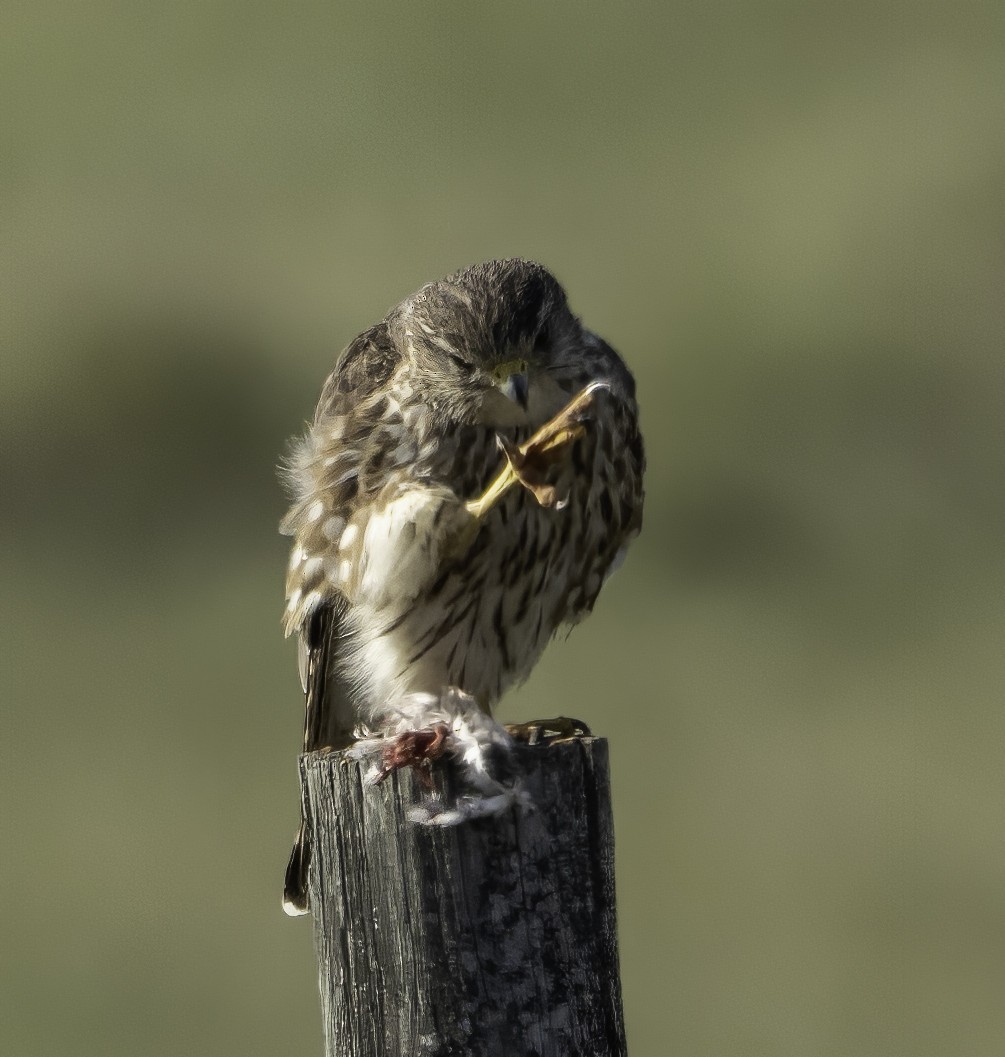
x=514 y=387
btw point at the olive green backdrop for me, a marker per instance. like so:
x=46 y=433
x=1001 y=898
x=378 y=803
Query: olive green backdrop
x=789 y=219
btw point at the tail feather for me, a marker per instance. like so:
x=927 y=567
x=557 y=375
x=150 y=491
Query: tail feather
x=295 y=899
x=328 y=723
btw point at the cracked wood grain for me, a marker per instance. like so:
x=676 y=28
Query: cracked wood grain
x=494 y=938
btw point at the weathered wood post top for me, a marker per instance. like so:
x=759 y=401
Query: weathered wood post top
x=492 y=938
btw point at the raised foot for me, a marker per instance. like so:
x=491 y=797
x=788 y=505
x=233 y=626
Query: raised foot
x=529 y=463
x=548 y=731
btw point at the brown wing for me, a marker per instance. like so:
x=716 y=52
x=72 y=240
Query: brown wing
x=324 y=468
x=362 y=369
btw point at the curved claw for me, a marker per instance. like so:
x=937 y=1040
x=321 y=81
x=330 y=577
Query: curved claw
x=549 y=731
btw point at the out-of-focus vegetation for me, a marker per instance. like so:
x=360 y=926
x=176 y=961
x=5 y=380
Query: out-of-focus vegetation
x=788 y=217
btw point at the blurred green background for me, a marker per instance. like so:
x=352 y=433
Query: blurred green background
x=788 y=217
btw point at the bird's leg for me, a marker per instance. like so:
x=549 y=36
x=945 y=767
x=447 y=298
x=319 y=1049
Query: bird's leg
x=548 y=731
x=528 y=463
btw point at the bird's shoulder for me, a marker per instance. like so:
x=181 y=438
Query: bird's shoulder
x=602 y=361
x=353 y=422
x=362 y=369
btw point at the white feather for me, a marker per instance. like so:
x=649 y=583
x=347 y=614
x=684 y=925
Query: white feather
x=303 y=661
x=474 y=739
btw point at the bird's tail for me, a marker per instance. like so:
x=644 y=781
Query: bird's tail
x=295 y=900
x=328 y=724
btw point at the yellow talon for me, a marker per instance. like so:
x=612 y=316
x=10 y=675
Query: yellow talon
x=525 y=462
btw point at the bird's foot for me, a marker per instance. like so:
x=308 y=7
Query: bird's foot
x=425 y=728
x=548 y=731
x=416 y=749
x=326 y=750
x=529 y=463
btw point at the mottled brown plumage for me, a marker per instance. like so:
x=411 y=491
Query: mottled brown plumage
x=401 y=598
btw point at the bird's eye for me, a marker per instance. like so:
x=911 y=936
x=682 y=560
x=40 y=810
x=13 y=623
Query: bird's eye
x=463 y=364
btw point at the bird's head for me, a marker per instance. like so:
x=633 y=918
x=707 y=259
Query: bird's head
x=494 y=344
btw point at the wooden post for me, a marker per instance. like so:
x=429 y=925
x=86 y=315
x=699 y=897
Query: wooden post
x=493 y=938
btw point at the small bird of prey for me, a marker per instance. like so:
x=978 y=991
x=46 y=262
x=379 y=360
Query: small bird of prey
x=472 y=476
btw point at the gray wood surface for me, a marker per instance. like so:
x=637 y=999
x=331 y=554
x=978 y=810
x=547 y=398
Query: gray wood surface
x=493 y=938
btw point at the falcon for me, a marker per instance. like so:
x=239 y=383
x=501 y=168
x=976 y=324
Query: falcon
x=472 y=475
